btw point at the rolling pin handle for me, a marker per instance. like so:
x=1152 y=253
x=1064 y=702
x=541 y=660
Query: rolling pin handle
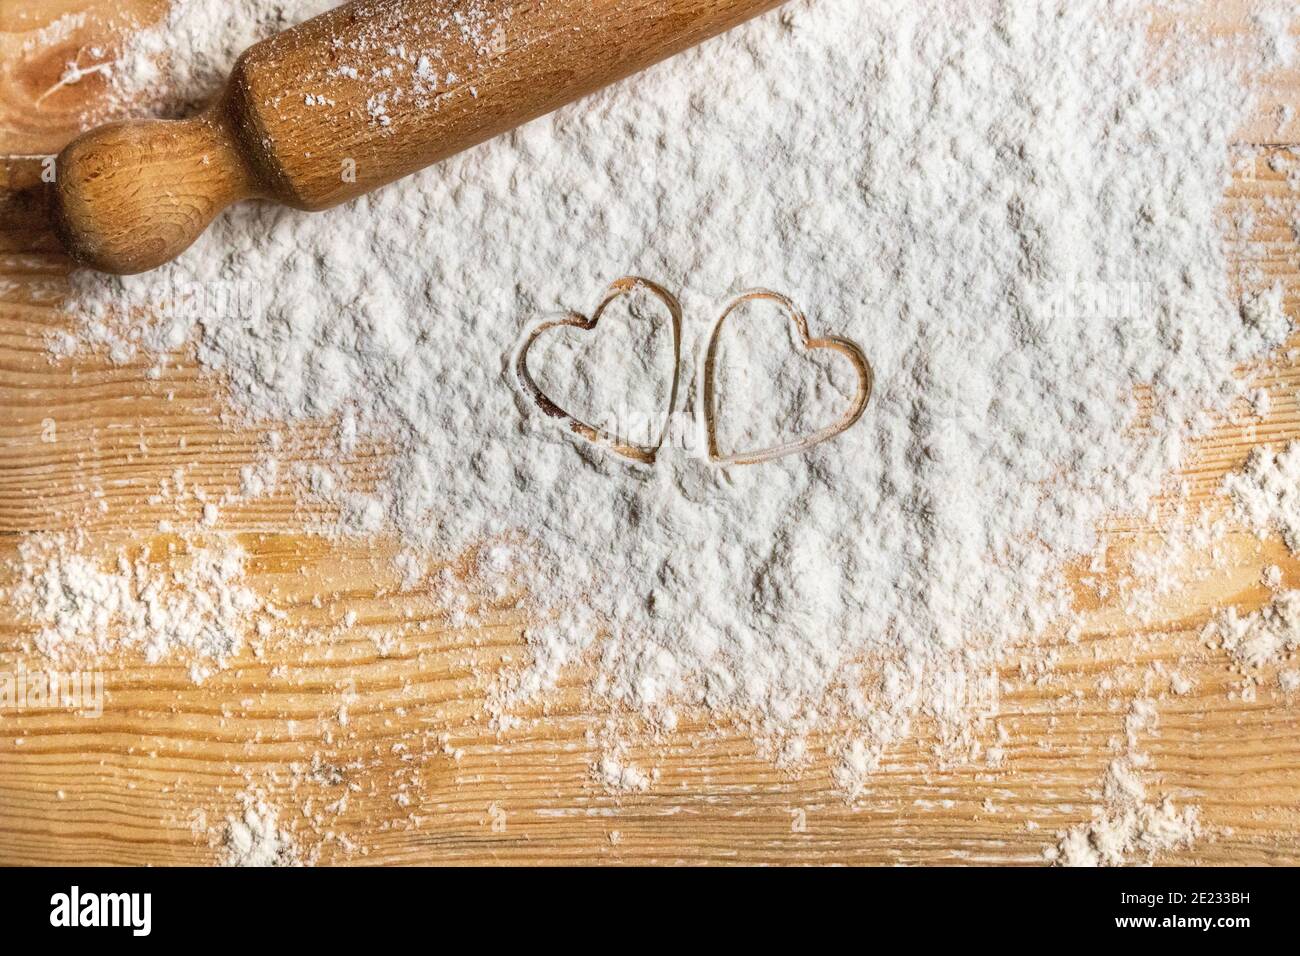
x=131 y=196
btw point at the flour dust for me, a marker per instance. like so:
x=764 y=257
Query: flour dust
x=1013 y=208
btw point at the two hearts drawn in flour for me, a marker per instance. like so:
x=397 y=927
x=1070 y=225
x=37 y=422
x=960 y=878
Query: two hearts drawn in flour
x=648 y=453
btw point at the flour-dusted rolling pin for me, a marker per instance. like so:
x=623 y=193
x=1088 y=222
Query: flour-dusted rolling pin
x=354 y=99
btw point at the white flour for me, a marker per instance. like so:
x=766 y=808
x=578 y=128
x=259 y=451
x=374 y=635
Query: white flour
x=197 y=605
x=1267 y=636
x=1131 y=827
x=256 y=839
x=1012 y=207
x=1266 y=493
x=1266 y=497
x=173 y=67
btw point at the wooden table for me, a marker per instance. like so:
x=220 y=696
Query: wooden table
x=416 y=774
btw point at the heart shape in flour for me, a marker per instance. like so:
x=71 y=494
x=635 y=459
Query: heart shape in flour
x=709 y=392
x=642 y=453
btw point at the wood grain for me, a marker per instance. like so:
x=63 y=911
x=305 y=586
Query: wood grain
x=416 y=773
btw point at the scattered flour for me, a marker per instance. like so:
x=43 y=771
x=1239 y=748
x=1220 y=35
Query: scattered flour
x=1266 y=493
x=1131 y=824
x=1267 y=636
x=196 y=604
x=171 y=67
x=1289 y=682
x=1263 y=311
x=1266 y=498
x=614 y=774
x=1013 y=208
x=255 y=839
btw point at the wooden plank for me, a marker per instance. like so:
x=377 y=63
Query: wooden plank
x=417 y=774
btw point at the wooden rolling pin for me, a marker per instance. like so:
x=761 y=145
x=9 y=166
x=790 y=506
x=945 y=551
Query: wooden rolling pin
x=352 y=100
